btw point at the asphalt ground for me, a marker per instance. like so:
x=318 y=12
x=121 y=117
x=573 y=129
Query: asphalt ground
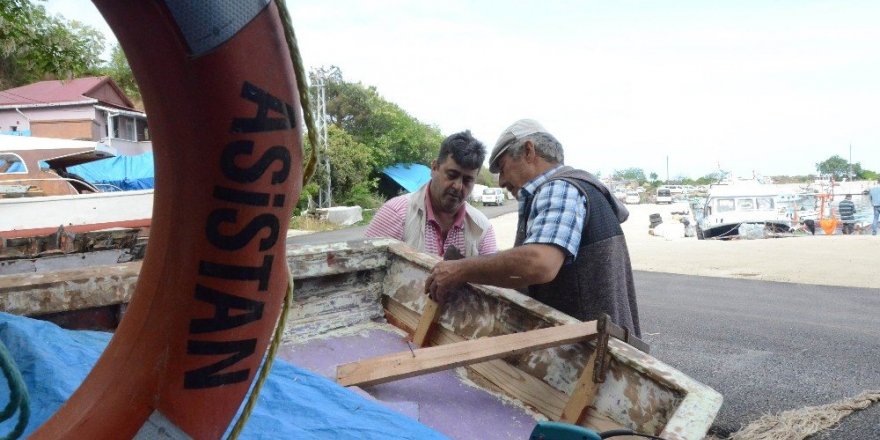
x=767 y=347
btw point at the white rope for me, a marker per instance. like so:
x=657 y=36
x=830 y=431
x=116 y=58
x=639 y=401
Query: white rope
x=798 y=424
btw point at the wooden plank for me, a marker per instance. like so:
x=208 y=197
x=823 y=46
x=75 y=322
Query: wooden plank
x=428 y=360
x=583 y=394
x=429 y=314
x=429 y=317
x=510 y=380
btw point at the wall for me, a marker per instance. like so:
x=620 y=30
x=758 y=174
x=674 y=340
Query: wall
x=65 y=122
x=63 y=129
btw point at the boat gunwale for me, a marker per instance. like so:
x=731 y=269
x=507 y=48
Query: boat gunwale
x=690 y=418
x=699 y=403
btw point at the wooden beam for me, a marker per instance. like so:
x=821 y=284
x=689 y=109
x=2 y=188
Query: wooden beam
x=583 y=394
x=428 y=360
x=429 y=316
x=512 y=381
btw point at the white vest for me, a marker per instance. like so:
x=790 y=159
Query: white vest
x=475 y=224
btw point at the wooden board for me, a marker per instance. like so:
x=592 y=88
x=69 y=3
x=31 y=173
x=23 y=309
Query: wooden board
x=428 y=360
x=583 y=394
x=509 y=379
x=429 y=316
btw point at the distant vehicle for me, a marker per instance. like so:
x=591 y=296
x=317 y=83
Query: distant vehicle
x=640 y=190
x=664 y=195
x=477 y=193
x=632 y=198
x=620 y=194
x=729 y=206
x=675 y=189
x=493 y=196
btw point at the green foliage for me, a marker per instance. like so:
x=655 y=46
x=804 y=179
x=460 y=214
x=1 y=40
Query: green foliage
x=366 y=134
x=370 y=119
x=636 y=174
x=710 y=178
x=309 y=192
x=487 y=178
x=120 y=71
x=867 y=174
x=835 y=166
x=364 y=195
x=35 y=46
x=351 y=164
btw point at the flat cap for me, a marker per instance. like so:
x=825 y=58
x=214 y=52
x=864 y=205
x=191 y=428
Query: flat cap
x=510 y=136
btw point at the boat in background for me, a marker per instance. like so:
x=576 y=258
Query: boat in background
x=729 y=206
x=39 y=198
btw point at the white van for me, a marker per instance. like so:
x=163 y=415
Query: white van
x=664 y=195
x=493 y=196
x=632 y=198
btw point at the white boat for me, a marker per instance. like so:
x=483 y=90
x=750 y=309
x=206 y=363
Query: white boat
x=727 y=207
x=38 y=196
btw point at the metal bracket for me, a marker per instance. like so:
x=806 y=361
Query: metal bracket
x=602 y=358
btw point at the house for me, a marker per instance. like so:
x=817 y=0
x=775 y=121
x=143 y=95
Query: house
x=91 y=108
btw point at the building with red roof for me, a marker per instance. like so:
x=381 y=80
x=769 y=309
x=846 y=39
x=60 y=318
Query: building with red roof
x=91 y=108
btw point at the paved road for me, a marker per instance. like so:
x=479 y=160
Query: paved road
x=767 y=347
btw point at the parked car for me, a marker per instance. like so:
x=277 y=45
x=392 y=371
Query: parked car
x=664 y=195
x=493 y=196
x=477 y=193
x=632 y=198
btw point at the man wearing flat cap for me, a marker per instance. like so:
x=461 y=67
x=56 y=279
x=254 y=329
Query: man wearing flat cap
x=570 y=251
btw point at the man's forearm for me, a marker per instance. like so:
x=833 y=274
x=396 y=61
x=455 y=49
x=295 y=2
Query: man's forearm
x=519 y=267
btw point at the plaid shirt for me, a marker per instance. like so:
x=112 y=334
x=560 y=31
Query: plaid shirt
x=557 y=215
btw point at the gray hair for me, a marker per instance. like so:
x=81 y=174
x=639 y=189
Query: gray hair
x=546 y=147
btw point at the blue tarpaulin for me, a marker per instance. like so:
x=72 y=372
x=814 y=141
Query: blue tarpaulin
x=122 y=172
x=411 y=176
x=293 y=404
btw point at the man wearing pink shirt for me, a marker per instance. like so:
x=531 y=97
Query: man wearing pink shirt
x=437 y=215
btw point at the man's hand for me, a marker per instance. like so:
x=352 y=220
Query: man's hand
x=445 y=277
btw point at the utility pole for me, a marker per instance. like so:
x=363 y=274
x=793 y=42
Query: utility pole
x=667 y=169
x=325 y=196
x=850 y=162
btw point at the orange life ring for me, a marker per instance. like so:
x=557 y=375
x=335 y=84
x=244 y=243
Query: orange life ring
x=220 y=91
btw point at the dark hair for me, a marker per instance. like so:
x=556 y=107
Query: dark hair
x=465 y=150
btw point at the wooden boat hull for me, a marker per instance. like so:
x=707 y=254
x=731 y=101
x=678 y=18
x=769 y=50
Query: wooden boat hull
x=341 y=285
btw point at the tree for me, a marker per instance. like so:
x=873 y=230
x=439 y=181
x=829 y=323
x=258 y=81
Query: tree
x=392 y=135
x=710 y=178
x=120 y=71
x=351 y=163
x=636 y=174
x=486 y=177
x=835 y=166
x=35 y=46
x=868 y=175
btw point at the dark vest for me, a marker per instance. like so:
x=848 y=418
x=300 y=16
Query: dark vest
x=600 y=279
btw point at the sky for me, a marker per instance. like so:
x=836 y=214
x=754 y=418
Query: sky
x=752 y=87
